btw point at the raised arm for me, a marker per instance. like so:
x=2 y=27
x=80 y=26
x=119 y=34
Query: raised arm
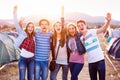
x=17 y=25
x=107 y=23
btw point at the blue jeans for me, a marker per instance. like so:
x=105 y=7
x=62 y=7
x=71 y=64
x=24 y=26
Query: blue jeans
x=54 y=73
x=23 y=64
x=75 y=69
x=97 y=67
x=41 y=70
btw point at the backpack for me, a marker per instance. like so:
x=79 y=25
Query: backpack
x=114 y=50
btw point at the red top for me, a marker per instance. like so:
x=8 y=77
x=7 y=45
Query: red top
x=28 y=44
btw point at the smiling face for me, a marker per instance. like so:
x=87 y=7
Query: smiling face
x=30 y=28
x=72 y=30
x=58 y=27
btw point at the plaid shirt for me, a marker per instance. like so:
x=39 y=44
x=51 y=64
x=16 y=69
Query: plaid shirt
x=28 y=44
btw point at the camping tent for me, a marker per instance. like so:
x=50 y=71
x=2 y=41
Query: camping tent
x=113 y=39
x=7 y=51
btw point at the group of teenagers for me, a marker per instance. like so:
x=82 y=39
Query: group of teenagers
x=74 y=42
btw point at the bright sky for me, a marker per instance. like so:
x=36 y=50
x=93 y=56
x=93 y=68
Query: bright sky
x=53 y=7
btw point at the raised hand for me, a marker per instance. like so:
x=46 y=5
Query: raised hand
x=106 y=25
x=21 y=21
x=108 y=17
x=15 y=8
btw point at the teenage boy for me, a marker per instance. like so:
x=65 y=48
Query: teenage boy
x=95 y=55
x=42 y=50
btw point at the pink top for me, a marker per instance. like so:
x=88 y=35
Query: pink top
x=75 y=57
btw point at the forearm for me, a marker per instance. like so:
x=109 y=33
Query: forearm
x=104 y=27
x=17 y=26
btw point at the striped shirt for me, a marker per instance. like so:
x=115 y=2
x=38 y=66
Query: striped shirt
x=42 y=49
x=92 y=46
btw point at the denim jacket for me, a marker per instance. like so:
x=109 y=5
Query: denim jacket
x=22 y=34
x=80 y=47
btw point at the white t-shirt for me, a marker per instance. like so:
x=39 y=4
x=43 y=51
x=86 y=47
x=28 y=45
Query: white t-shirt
x=92 y=46
x=62 y=54
x=26 y=54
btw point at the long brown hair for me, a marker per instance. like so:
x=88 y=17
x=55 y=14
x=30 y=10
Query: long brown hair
x=71 y=24
x=33 y=33
x=62 y=34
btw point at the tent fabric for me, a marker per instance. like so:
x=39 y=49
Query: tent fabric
x=115 y=33
x=114 y=50
x=113 y=37
x=7 y=51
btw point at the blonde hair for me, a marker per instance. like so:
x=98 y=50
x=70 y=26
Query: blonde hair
x=72 y=24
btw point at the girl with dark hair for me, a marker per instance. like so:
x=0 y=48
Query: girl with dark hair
x=25 y=42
